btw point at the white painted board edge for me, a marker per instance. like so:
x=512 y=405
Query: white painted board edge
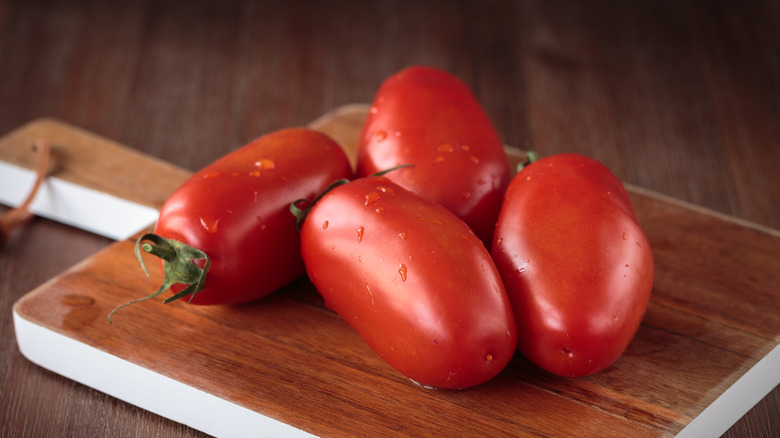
x=74 y=205
x=142 y=387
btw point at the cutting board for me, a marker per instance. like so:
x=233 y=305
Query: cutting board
x=706 y=352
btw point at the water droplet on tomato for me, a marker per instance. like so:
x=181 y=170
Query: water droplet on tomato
x=265 y=164
x=500 y=241
x=402 y=235
x=402 y=271
x=380 y=209
x=488 y=357
x=567 y=351
x=373 y=110
x=433 y=221
x=360 y=234
x=325 y=225
x=474 y=159
x=385 y=189
x=626 y=265
x=254 y=173
x=446 y=148
x=624 y=236
x=209 y=224
x=371 y=198
x=380 y=136
x=211 y=175
x=464 y=147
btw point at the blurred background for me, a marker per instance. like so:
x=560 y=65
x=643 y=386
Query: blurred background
x=679 y=97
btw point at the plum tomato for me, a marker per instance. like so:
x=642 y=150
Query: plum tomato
x=576 y=264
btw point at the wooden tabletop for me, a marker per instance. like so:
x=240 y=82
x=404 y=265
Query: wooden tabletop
x=673 y=97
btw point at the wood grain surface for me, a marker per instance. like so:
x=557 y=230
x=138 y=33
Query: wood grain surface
x=678 y=97
x=291 y=359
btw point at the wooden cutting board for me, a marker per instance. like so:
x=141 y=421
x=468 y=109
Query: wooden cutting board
x=705 y=353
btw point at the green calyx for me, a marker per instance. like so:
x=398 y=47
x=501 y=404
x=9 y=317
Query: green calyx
x=530 y=157
x=178 y=267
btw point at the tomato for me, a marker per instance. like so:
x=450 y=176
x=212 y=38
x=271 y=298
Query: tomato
x=575 y=262
x=236 y=212
x=429 y=118
x=412 y=279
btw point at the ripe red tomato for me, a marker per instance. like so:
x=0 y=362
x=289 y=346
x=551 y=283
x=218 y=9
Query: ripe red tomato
x=236 y=212
x=413 y=280
x=576 y=264
x=430 y=118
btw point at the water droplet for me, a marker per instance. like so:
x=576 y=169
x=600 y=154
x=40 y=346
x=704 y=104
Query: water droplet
x=380 y=136
x=370 y=294
x=464 y=147
x=254 y=173
x=385 y=189
x=624 y=236
x=380 y=209
x=325 y=225
x=211 y=175
x=398 y=133
x=402 y=235
x=360 y=234
x=500 y=241
x=371 y=198
x=567 y=351
x=528 y=178
x=265 y=164
x=488 y=357
x=446 y=148
x=433 y=221
x=474 y=159
x=209 y=224
x=373 y=110
x=626 y=265
x=402 y=271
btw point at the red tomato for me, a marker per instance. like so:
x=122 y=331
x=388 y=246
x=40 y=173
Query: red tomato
x=430 y=118
x=413 y=280
x=576 y=264
x=236 y=211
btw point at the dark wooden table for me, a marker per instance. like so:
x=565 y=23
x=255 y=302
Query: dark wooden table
x=678 y=97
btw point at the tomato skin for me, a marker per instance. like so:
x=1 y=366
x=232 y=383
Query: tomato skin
x=430 y=118
x=412 y=280
x=577 y=266
x=236 y=210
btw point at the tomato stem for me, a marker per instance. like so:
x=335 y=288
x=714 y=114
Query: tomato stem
x=301 y=213
x=530 y=157
x=178 y=267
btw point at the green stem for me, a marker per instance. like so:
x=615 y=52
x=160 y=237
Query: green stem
x=301 y=213
x=530 y=158
x=178 y=267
